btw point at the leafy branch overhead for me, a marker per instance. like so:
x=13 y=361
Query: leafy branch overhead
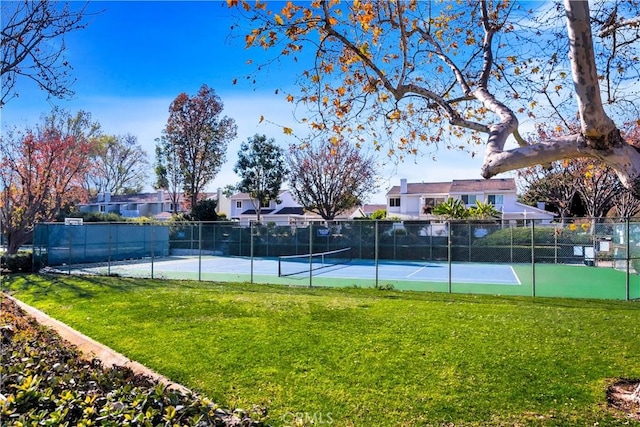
x=465 y=75
x=33 y=45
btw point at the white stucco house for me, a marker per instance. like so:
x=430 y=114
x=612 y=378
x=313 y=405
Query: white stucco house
x=152 y=205
x=412 y=201
x=285 y=211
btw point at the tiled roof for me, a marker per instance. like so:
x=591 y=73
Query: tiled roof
x=469 y=185
x=423 y=188
x=457 y=186
x=146 y=198
x=369 y=209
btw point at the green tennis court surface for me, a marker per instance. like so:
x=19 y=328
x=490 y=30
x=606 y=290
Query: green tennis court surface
x=553 y=280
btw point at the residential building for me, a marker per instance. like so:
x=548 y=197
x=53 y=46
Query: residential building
x=414 y=201
x=285 y=211
x=152 y=205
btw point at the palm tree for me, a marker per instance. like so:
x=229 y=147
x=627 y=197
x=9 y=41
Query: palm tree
x=451 y=209
x=483 y=210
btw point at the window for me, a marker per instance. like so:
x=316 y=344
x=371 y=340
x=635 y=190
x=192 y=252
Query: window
x=239 y=204
x=495 y=199
x=394 y=202
x=469 y=199
x=433 y=201
x=430 y=203
x=101 y=208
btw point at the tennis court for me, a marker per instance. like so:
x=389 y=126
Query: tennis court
x=177 y=267
x=545 y=261
x=577 y=281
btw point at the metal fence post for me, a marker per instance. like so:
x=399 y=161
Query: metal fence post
x=469 y=239
x=70 y=247
x=375 y=250
x=511 y=245
x=533 y=258
x=449 y=252
x=627 y=283
x=153 y=242
x=199 y=250
x=555 y=246
x=251 y=233
x=109 y=228
x=310 y=254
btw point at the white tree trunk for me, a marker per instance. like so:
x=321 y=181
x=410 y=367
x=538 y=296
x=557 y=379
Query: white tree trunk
x=599 y=137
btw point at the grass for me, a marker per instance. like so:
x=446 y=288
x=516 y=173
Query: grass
x=361 y=357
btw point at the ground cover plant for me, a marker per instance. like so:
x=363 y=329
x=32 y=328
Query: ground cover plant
x=46 y=381
x=361 y=357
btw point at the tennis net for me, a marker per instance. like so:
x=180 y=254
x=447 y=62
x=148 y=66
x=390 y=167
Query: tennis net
x=290 y=265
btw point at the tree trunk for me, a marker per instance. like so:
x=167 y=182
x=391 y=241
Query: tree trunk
x=15 y=239
x=599 y=137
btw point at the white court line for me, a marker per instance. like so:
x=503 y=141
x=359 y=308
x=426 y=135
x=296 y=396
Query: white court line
x=515 y=275
x=416 y=272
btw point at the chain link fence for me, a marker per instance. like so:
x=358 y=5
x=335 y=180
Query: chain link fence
x=587 y=258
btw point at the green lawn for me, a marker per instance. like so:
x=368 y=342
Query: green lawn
x=361 y=357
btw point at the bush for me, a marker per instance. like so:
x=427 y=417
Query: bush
x=20 y=262
x=522 y=236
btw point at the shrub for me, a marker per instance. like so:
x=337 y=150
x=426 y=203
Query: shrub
x=19 y=262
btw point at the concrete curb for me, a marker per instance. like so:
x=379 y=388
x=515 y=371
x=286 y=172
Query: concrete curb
x=93 y=349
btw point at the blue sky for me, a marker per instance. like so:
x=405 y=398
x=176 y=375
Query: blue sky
x=134 y=58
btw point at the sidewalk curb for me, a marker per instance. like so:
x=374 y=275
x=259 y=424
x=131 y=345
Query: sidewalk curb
x=93 y=349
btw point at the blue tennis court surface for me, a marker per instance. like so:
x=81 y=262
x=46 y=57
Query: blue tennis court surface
x=186 y=267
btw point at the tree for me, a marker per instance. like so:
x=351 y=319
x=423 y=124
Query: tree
x=553 y=184
x=262 y=169
x=205 y=210
x=119 y=165
x=379 y=214
x=484 y=211
x=33 y=46
x=597 y=186
x=200 y=138
x=451 y=209
x=229 y=190
x=626 y=205
x=41 y=172
x=168 y=174
x=330 y=178
x=417 y=73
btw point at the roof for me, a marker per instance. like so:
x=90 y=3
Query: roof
x=293 y=210
x=263 y=211
x=144 y=198
x=467 y=185
x=457 y=186
x=244 y=196
x=371 y=208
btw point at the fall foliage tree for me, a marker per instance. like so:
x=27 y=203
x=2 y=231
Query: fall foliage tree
x=42 y=171
x=552 y=184
x=119 y=165
x=597 y=186
x=330 y=178
x=262 y=169
x=32 y=45
x=463 y=74
x=200 y=138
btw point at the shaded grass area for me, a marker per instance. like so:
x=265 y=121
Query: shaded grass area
x=361 y=357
